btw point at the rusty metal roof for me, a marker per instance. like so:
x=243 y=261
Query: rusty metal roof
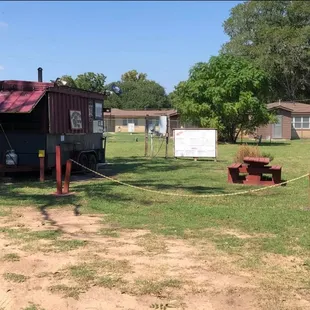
x=21 y=96
x=19 y=101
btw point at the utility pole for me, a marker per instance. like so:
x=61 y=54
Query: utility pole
x=146 y=137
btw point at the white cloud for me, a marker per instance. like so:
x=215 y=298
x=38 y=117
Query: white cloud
x=4 y=25
x=1 y=68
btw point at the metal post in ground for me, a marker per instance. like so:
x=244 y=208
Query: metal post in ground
x=152 y=147
x=167 y=136
x=146 y=137
x=67 y=177
x=42 y=165
x=58 y=170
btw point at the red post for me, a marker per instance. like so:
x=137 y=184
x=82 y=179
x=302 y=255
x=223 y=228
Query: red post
x=58 y=170
x=42 y=168
x=67 y=177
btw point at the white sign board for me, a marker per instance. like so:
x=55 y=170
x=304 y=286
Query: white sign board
x=195 y=143
x=131 y=127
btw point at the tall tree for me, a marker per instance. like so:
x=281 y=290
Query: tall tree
x=87 y=81
x=133 y=76
x=70 y=80
x=139 y=95
x=227 y=93
x=275 y=35
x=91 y=81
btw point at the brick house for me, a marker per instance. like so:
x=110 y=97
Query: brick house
x=117 y=120
x=293 y=121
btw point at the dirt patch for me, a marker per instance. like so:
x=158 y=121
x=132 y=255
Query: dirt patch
x=89 y=265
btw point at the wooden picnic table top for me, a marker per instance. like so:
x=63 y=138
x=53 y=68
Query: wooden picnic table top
x=257 y=160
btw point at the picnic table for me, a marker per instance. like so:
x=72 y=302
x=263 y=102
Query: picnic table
x=253 y=171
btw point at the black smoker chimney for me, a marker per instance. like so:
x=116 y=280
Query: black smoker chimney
x=40 y=76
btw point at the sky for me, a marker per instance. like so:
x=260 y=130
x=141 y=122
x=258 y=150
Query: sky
x=163 y=39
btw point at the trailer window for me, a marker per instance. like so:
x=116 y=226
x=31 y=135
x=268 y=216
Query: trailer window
x=98 y=110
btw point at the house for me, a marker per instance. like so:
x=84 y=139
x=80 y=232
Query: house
x=117 y=120
x=293 y=121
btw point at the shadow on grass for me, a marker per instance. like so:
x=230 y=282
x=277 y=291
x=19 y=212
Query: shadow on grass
x=265 y=143
x=99 y=190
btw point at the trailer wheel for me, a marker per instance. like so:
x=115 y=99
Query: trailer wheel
x=83 y=160
x=92 y=162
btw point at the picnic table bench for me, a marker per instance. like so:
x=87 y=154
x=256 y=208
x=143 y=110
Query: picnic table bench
x=253 y=170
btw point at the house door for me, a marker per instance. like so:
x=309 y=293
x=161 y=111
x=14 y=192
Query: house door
x=277 y=128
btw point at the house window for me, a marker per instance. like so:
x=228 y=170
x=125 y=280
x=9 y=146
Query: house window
x=127 y=121
x=153 y=122
x=301 y=122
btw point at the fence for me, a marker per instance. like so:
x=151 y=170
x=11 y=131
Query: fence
x=123 y=125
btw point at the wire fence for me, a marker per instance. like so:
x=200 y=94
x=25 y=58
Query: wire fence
x=128 y=135
x=139 y=125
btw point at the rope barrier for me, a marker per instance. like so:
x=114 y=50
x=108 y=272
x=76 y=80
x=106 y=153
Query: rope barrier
x=190 y=195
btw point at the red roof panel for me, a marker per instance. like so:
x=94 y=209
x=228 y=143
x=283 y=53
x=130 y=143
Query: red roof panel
x=19 y=101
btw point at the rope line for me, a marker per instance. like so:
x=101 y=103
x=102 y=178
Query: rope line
x=189 y=195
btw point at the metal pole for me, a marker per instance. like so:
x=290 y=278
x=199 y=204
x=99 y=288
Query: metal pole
x=152 y=148
x=58 y=170
x=67 y=176
x=42 y=169
x=146 y=146
x=309 y=189
x=167 y=136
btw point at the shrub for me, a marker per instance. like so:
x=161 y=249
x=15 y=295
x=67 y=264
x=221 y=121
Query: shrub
x=245 y=150
x=268 y=155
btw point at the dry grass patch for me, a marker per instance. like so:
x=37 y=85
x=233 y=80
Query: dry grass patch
x=33 y=306
x=109 y=232
x=11 y=257
x=68 y=245
x=152 y=243
x=110 y=281
x=15 y=277
x=155 y=287
x=66 y=291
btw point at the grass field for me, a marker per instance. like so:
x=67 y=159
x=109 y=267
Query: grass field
x=264 y=235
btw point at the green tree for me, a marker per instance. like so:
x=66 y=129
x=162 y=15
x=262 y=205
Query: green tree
x=138 y=95
x=89 y=81
x=275 y=35
x=70 y=80
x=133 y=76
x=227 y=93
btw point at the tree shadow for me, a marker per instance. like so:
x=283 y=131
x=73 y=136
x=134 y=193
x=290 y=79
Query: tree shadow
x=138 y=165
x=265 y=143
x=192 y=189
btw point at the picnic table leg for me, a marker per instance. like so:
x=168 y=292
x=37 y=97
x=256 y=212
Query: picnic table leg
x=276 y=177
x=233 y=175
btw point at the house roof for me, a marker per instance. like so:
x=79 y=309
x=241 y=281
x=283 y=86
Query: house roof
x=294 y=107
x=139 y=113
